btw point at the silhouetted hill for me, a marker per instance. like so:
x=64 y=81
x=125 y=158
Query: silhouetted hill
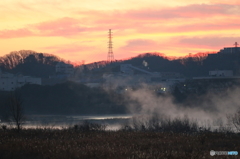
x=194 y=65
x=30 y=63
x=156 y=62
x=42 y=65
x=188 y=66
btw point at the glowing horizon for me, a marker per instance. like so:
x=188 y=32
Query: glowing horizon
x=78 y=31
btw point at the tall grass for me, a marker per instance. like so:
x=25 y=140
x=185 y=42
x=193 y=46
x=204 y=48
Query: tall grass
x=71 y=144
x=164 y=124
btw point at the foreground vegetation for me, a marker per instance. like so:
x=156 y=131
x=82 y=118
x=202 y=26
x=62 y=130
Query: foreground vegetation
x=82 y=142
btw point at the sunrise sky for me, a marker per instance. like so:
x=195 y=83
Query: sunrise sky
x=77 y=30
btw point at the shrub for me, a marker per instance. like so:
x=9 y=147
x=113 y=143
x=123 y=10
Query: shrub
x=87 y=126
x=4 y=127
x=164 y=124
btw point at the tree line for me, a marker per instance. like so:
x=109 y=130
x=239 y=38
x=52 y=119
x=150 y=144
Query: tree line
x=66 y=98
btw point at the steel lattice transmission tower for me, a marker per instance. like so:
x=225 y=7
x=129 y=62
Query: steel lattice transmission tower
x=110 y=57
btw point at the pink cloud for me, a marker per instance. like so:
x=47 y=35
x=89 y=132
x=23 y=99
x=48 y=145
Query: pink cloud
x=208 y=42
x=51 y=25
x=197 y=26
x=73 y=52
x=140 y=45
x=190 y=11
x=15 y=33
x=143 y=20
x=60 y=27
x=207 y=26
x=154 y=21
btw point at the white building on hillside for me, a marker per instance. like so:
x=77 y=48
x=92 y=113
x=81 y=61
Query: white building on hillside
x=9 y=82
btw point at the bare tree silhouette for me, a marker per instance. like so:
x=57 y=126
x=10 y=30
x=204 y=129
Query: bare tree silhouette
x=16 y=109
x=235 y=119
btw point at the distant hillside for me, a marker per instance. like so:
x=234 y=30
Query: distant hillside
x=36 y=64
x=155 y=62
x=190 y=66
x=30 y=63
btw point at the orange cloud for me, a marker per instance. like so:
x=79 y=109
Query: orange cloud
x=68 y=48
x=232 y=2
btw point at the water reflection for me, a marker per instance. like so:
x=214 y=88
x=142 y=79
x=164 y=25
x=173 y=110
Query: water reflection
x=113 y=122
